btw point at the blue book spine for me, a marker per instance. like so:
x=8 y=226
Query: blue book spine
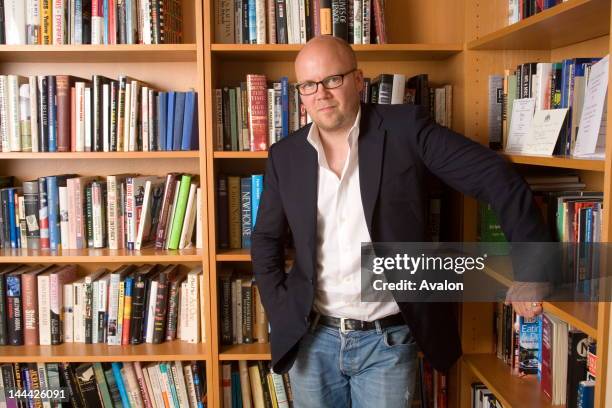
x=587 y=245
x=27 y=380
x=586 y=394
x=53 y=207
x=540 y=348
x=179 y=113
x=52 y=113
x=106 y=22
x=78 y=21
x=170 y=119
x=190 y=122
x=257 y=188
x=120 y=385
x=245 y=211
x=13 y=228
x=128 y=22
x=252 y=22
x=162 y=112
x=165 y=368
x=285 y=105
x=565 y=68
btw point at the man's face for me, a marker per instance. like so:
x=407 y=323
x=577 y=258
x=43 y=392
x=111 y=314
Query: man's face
x=330 y=109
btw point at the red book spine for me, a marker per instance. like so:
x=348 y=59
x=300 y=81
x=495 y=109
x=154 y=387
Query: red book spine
x=547 y=341
x=63 y=113
x=73 y=119
x=258 y=111
x=379 y=21
x=30 y=309
x=316 y=17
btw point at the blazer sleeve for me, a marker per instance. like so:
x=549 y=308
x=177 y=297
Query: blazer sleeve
x=268 y=239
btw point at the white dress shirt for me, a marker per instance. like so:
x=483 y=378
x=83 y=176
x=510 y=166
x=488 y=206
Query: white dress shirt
x=341 y=228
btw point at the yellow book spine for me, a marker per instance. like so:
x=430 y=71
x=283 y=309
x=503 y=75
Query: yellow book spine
x=46 y=26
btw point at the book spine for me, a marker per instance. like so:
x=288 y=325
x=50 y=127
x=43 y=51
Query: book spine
x=43 y=213
x=14 y=115
x=59 y=22
x=15 y=22
x=30 y=309
x=25 y=118
x=52 y=113
x=53 y=213
x=68 y=313
x=257 y=112
x=14 y=310
x=179 y=212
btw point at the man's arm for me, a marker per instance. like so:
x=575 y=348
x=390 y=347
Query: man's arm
x=268 y=239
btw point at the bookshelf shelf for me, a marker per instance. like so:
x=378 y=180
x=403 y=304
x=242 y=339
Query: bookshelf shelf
x=234 y=255
x=254 y=351
x=549 y=29
x=240 y=155
x=365 y=52
x=79 y=352
x=99 y=53
x=555 y=161
x=99 y=255
x=511 y=390
x=581 y=315
x=99 y=155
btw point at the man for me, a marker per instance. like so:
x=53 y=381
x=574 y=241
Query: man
x=355 y=175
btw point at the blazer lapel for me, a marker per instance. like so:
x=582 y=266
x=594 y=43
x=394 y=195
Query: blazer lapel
x=371 y=148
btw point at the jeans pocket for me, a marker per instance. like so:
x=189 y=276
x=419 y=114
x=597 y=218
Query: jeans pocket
x=397 y=336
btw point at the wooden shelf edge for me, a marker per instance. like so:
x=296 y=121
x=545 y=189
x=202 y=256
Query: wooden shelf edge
x=581 y=315
x=511 y=390
x=545 y=18
x=79 y=352
x=556 y=161
x=240 y=155
x=254 y=351
x=99 y=255
x=98 y=155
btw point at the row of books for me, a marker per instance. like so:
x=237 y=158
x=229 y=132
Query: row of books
x=520 y=9
x=117 y=211
x=254 y=384
x=431 y=386
x=55 y=304
x=560 y=356
x=91 y=22
x=555 y=85
x=243 y=318
x=396 y=89
x=237 y=203
x=104 y=385
x=482 y=397
x=297 y=21
x=258 y=113
x=62 y=113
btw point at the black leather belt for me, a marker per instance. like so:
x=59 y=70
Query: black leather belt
x=352 y=324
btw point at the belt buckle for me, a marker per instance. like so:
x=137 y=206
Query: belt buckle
x=343 y=329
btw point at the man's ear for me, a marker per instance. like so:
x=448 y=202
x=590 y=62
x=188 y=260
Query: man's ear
x=358 y=76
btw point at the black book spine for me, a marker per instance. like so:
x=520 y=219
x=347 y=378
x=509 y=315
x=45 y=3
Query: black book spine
x=161 y=306
x=519 y=82
x=138 y=309
x=19 y=383
x=145 y=309
x=67 y=374
x=86 y=11
x=114 y=100
x=245 y=22
x=88 y=312
x=30 y=199
x=526 y=79
x=309 y=15
x=3 y=218
x=88 y=388
x=2 y=23
x=14 y=310
x=340 y=19
x=89 y=215
x=223 y=212
x=227 y=119
x=43 y=98
x=96 y=108
x=350 y=21
x=281 y=22
x=173 y=306
x=122 y=38
x=51 y=114
x=577 y=351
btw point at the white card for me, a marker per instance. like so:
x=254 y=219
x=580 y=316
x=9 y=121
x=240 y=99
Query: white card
x=544 y=131
x=522 y=114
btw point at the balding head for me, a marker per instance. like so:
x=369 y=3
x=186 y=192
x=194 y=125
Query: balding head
x=333 y=110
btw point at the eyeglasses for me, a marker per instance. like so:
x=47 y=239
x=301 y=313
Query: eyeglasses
x=330 y=82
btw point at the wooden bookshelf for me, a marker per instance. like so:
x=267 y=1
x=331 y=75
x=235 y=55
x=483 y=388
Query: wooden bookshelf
x=555 y=161
x=100 y=155
x=234 y=255
x=99 y=53
x=79 y=352
x=240 y=155
x=511 y=390
x=549 y=29
x=254 y=351
x=164 y=67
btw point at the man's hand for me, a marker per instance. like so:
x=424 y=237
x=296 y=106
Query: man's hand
x=526 y=297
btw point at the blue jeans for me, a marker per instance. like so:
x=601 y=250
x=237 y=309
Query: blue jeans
x=371 y=368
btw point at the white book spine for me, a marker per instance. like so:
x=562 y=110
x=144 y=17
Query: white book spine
x=130 y=213
x=289 y=17
x=155 y=386
x=68 y=313
x=24 y=117
x=98 y=226
x=15 y=22
x=95 y=307
x=144 y=215
x=14 y=116
x=180 y=330
x=179 y=382
x=151 y=312
x=22 y=216
x=202 y=322
x=145 y=118
x=145 y=21
x=260 y=13
x=87 y=142
x=133 y=141
x=79 y=312
x=4 y=114
x=44 y=310
x=106 y=117
x=32 y=21
x=271 y=134
x=152 y=118
x=102 y=308
x=59 y=22
x=199 y=232
x=398 y=90
x=111 y=211
x=193 y=307
x=63 y=211
x=34 y=112
x=188 y=220
x=126 y=117
x=357 y=22
x=191 y=392
x=43 y=381
x=2 y=392
x=79 y=113
x=97 y=29
x=302 y=20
